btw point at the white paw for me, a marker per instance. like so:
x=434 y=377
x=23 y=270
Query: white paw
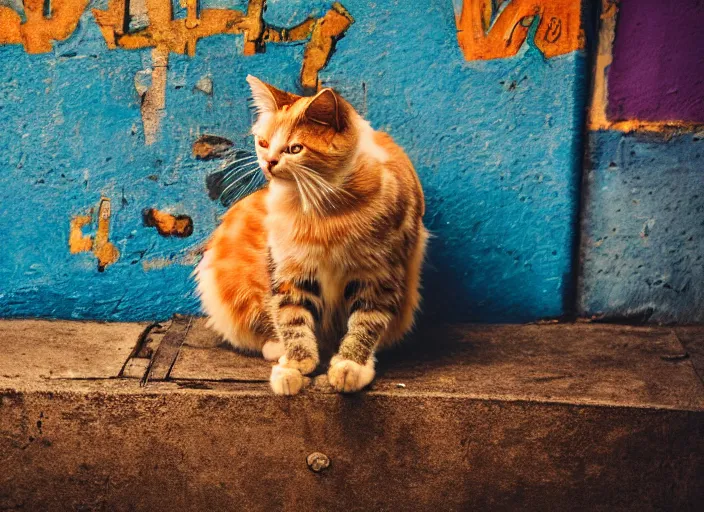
x=305 y=366
x=285 y=381
x=347 y=376
x=273 y=350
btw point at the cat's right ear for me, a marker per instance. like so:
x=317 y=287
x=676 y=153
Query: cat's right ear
x=267 y=98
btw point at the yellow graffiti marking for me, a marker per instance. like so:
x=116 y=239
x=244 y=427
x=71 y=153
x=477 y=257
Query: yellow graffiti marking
x=559 y=28
x=100 y=244
x=77 y=242
x=175 y=35
x=182 y=35
x=37 y=33
x=324 y=33
x=607 y=32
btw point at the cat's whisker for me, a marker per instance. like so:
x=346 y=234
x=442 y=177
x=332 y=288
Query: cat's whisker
x=333 y=189
x=236 y=174
x=253 y=184
x=311 y=193
x=301 y=192
x=322 y=194
x=312 y=200
x=239 y=174
x=313 y=176
x=242 y=190
x=234 y=183
x=235 y=161
x=318 y=197
x=327 y=189
x=227 y=164
x=314 y=194
x=316 y=191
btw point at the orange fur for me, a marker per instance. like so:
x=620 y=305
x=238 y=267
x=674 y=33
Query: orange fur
x=328 y=256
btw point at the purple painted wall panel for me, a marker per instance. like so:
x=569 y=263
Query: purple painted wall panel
x=657 y=72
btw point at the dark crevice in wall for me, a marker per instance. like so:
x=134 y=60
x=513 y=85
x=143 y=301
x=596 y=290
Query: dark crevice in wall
x=591 y=13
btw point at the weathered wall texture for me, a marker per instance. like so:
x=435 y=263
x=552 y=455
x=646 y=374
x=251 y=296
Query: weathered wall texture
x=643 y=204
x=104 y=206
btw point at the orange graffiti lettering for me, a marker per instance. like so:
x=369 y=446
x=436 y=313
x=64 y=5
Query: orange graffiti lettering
x=182 y=35
x=104 y=250
x=166 y=34
x=38 y=31
x=486 y=31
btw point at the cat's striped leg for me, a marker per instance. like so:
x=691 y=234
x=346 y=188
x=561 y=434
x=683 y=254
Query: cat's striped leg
x=373 y=304
x=296 y=307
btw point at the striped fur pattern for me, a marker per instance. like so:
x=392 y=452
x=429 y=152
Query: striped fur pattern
x=325 y=261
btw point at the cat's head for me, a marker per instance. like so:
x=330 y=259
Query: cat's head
x=307 y=140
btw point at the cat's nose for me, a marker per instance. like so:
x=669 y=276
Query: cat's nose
x=271 y=164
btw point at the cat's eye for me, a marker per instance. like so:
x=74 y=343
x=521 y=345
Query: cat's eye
x=295 y=148
x=263 y=143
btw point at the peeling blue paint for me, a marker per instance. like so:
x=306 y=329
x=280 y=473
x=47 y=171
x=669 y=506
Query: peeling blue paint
x=643 y=228
x=496 y=144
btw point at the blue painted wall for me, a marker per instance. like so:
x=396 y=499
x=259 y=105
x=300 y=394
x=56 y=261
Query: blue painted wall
x=643 y=228
x=496 y=144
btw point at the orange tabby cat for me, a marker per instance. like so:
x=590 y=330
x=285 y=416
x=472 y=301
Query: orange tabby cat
x=326 y=258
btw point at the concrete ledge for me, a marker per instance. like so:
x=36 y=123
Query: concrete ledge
x=594 y=417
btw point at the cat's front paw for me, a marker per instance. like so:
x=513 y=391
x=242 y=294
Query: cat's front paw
x=346 y=376
x=305 y=366
x=287 y=376
x=285 y=381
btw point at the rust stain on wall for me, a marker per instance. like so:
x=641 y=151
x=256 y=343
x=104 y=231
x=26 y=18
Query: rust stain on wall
x=40 y=28
x=100 y=245
x=168 y=225
x=497 y=29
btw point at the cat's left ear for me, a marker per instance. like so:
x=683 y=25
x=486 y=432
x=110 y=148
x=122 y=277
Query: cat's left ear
x=327 y=108
x=267 y=98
